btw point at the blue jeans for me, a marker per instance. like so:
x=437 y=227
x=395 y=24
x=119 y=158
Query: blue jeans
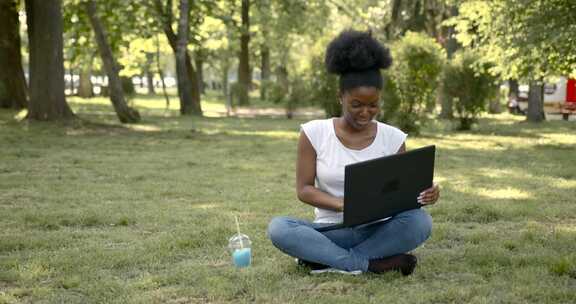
x=350 y=249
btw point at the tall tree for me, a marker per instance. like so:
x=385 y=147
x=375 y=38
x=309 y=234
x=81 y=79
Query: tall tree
x=244 y=75
x=125 y=113
x=47 y=100
x=264 y=7
x=535 y=111
x=12 y=80
x=525 y=40
x=187 y=106
x=184 y=82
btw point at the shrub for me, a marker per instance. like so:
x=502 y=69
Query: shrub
x=324 y=87
x=467 y=81
x=418 y=61
x=292 y=94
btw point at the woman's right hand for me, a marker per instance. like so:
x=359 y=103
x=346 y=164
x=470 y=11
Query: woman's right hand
x=340 y=204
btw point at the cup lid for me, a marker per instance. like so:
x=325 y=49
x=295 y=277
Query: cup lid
x=240 y=238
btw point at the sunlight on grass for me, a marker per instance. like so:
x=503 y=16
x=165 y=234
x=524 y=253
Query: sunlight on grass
x=271 y=134
x=504 y=193
x=144 y=128
x=204 y=206
x=564 y=184
x=33 y=270
x=498 y=173
x=106 y=212
x=560 y=139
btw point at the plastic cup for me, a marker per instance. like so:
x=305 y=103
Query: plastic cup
x=240 y=248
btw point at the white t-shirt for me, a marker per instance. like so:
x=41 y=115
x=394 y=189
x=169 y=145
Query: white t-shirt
x=332 y=156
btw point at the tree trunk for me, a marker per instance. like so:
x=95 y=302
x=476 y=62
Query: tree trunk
x=244 y=79
x=47 y=100
x=494 y=106
x=71 y=83
x=125 y=113
x=451 y=44
x=149 y=74
x=513 y=88
x=536 y=102
x=12 y=80
x=86 y=89
x=447 y=106
x=184 y=82
x=265 y=69
x=390 y=28
x=199 y=62
x=225 y=65
x=165 y=15
x=265 y=13
x=161 y=74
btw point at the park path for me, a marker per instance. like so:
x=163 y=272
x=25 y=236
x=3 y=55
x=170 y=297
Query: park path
x=308 y=113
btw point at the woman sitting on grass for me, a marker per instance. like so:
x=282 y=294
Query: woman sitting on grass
x=325 y=147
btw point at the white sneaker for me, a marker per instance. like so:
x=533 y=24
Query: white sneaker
x=334 y=270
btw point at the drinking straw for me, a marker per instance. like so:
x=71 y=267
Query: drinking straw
x=238 y=228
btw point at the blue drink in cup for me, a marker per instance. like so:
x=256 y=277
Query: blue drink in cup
x=239 y=245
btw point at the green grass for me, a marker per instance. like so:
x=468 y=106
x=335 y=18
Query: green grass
x=142 y=213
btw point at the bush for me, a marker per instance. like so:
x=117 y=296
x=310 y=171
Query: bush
x=324 y=87
x=390 y=101
x=290 y=95
x=418 y=61
x=467 y=81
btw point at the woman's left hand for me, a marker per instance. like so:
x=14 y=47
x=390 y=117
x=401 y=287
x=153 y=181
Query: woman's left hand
x=429 y=196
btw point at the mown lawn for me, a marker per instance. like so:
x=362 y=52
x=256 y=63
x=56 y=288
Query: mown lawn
x=142 y=213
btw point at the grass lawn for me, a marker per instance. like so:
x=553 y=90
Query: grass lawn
x=142 y=213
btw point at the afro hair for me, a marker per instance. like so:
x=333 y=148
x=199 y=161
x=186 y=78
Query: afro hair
x=355 y=51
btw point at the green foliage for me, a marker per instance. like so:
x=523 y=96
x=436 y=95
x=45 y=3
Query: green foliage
x=390 y=100
x=127 y=86
x=415 y=73
x=324 y=88
x=291 y=95
x=523 y=39
x=467 y=81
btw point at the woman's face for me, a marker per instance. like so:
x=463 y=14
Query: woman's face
x=360 y=106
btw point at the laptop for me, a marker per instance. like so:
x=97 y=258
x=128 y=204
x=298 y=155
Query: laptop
x=377 y=189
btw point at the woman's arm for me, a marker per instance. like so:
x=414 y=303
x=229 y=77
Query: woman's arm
x=402 y=148
x=305 y=175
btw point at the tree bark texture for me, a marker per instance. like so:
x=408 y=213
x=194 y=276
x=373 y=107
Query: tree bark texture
x=513 y=88
x=536 y=102
x=161 y=73
x=12 y=80
x=125 y=113
x=265 y=71
x=47 y=100
x=165 y=14
x=85 y=88
x=184 y=83
x=199 y=62
x=244 y=79
x=447 y=106
x=451 y=44
x=149 y=73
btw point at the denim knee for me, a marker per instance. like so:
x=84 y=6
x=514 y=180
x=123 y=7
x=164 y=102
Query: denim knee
x=421 y=221
x=278 y=228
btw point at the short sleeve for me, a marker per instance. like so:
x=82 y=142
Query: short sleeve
x=394 y=138
x=315 y=132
